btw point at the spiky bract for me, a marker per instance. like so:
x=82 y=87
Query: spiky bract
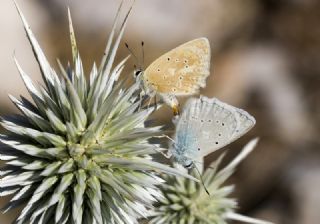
x=79 y=153
x=187 y=202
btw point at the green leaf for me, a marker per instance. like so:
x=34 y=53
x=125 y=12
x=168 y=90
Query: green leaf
x=51 y=103
x=63 y=101
x=57 y=194
x=77 y=111
x=25 y=148
x=94 y=184
x=35 y=165
x=67 y=166
x=51 y=169
x=111 y=35
x=94 y=201
x=106 y=67
x=108 y=81
x=72 y=38
x=72 y=132
x=44 y=187
x=55 y=122
x=46 y=71
x=60 y=209
x=24 y=193
x=80 y=82
x=58 y=152
x=93 y=75
x=34 y=118
x=35 y=94
x=78 y=195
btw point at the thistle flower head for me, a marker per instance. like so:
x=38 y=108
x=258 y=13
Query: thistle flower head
x=186 y=201
x=79 y=153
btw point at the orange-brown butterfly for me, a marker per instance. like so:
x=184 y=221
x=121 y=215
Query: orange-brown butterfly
x=179 y=72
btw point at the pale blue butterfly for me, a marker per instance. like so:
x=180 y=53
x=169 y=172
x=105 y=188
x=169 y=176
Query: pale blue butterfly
x=205 y=126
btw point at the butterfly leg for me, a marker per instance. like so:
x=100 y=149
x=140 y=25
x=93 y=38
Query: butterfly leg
x=140 y=101
x=144 y=93
x=149 y=102
x=165 y=136
x=155 y=102
x=151 y=95
x=168 y=156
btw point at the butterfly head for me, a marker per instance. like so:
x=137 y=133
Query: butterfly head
x=137 y=74
x=188 y=164
x=183 y=160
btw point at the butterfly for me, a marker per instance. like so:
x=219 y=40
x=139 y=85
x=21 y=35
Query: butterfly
x=179 y=72
x=205 y=126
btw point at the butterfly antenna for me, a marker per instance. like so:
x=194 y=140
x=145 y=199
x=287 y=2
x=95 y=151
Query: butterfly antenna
x=142 y=48
x=208 y=167
x=204 y=186
x=157 y=149
x=131 y=52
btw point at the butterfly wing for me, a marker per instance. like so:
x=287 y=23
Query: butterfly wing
x=185 y=143
x=214 y=124
x=181 y=71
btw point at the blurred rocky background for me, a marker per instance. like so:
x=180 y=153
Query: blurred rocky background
x=265 y=59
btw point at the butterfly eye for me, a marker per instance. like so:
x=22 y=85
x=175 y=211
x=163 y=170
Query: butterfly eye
x=137 y=73
x=188 y=166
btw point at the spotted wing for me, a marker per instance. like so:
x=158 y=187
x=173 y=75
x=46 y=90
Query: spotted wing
x=181 y=71
x=214 y=124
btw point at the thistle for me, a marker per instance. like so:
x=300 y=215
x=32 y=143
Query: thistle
x=186 y=201
x=79 y=153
